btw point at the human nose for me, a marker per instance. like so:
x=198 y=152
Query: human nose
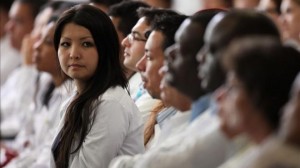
x=125 y=42
x=141 y=64
x=74 y=52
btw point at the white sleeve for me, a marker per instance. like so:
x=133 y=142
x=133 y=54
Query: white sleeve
x=106 y=137
x=207 y=151
x=201 y=147
x=18 y=91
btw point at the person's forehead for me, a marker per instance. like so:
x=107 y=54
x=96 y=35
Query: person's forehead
x=182 y=28
x=43 y=17
x=21 y=10
x=188 y=31
x=209 y=32
x=49 y=28
x=154 y=42
x=141 y=26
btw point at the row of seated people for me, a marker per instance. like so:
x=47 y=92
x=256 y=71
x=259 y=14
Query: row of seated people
x=197 y=96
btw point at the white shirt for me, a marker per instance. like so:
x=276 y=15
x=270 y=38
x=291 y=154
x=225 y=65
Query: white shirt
x=175 y=125
x=200 y=145
x=134 y=83
x=272 y=153
x=117 y=130
x=10 y=59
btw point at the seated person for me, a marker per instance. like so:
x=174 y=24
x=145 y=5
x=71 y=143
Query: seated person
x=260 y=73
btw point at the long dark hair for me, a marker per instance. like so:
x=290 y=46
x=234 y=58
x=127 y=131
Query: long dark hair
x=80 y=114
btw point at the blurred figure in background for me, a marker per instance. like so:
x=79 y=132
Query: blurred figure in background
x=272 y=9
x=9 y=56
x=104 y=4
x=290 y=14
x=221 y=4
x=245 y=4
x=18 y=90
x=22 y=15
x=260 y=73
x=166 y=4
x=284 y=149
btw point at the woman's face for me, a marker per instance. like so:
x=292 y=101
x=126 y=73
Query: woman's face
x=235 y=108
x=77 y=52
x=44 y=54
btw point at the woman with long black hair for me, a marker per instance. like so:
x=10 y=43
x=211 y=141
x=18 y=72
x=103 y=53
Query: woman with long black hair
x=101 y=120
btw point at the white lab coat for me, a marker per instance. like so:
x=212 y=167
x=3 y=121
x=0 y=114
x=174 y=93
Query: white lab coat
x=200 y=145
x=10 y=59
x=117 y=130
x=17 y=98
x=39 y=131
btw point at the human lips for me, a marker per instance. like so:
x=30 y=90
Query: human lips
x=126 y=54
x=74 y=65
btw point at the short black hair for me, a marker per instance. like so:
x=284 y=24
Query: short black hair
x=168 y=26
x=127 y=12
x=151 y=14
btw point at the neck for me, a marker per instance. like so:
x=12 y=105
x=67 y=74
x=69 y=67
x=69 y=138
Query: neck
x=129 y=73
x=184 y=105
x=260 y=131
x=80 y=85
x=58 y=79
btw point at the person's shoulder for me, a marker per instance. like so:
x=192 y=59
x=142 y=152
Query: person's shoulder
x=117 y=97
x=115 y=94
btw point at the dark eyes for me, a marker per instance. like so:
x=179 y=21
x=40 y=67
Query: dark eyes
x=64 y=44
x=87 y=44
x=84 y=44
